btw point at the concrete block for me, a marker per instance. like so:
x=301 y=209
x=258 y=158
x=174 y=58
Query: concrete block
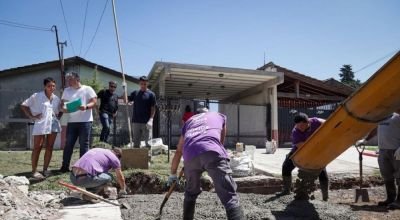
x=135 y=158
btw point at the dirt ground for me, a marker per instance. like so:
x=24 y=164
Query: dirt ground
x=340 y=206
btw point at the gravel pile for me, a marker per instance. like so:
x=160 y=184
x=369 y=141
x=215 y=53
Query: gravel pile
x=17 y=203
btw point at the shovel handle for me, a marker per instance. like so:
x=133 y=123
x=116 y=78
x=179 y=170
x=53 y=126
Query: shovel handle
x=92 y=195
x=171 y=189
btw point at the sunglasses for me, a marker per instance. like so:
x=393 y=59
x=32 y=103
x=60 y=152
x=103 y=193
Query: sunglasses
x=113 y=86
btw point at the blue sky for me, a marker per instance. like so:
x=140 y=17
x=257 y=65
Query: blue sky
x=313 y=37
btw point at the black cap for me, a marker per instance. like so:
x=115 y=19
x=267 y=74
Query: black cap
x=301 y=117
x=143 y=78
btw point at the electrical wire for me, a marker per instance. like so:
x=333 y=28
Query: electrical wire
x=24 y=26
x=66 y=25
x=97 y=28
x=378 y=60
x=84 y=26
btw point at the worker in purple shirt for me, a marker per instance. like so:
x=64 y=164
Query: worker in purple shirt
x=91 y=170
x=303 y=129
x=202 y=147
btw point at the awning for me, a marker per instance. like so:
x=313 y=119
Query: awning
x=207 y=82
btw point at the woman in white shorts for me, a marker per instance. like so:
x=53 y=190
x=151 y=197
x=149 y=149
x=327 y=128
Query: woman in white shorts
x=43 y=108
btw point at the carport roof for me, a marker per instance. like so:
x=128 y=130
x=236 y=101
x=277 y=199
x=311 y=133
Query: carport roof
x=207 y=82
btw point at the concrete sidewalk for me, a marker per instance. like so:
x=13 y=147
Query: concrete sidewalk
x=346 y=163
x=100 y=210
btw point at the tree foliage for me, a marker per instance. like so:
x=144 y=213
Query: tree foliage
x=347 y=76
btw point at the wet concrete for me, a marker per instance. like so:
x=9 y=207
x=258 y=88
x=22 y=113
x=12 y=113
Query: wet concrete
x=255 y=206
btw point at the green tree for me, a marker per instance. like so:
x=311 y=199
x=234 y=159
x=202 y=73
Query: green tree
x=347 y=76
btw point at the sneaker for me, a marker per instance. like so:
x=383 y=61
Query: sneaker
x=47 y=173
x=37 y=175
x=64 y=170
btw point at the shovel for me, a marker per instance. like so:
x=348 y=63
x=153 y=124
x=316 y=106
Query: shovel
x=363 y=193
x=91 y=195
x=171 y=189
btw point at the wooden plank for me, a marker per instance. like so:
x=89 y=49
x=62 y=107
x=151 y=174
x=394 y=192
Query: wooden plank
x=135 y=158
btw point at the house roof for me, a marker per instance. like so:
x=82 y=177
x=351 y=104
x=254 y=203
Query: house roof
x=309 y=85
x=67 y=61
x=207 y=82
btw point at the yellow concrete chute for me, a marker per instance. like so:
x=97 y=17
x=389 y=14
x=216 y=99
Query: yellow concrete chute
x=359 y=114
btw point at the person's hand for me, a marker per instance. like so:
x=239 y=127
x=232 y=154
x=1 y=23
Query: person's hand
x=361 y=142
x=115 y=115
x=397 y=154
x=171 y=179
x=36 y=117
x=149 y=124
x=83 y=108
x=122 y=193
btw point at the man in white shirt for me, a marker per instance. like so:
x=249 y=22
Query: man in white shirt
x=80 y=119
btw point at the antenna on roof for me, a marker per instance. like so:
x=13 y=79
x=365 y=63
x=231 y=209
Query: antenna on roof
x=264 y=58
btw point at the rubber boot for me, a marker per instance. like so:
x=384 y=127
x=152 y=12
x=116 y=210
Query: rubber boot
x=287 y=186
x=390 y=193
x=324 y=185
x=188 y=209
x=396 y=203
x=235 y=213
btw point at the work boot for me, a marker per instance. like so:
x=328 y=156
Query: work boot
x=390 y=193
x=324 y=185
x=188 y=209
x=235 y=214
x=287 y=186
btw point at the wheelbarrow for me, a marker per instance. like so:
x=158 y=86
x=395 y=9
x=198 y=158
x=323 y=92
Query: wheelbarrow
x=361 y=192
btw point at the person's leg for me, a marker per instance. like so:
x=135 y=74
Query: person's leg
x=51 y=138
x=105 y=126
x=387 y=171
x=72 y=136
x=146 y=135
x=287 y=168
x=396 y=174
x=193 y=173
x=107 y=134
x=85 y=130
x=324 y=184
x=221 y=174
x=37 y=147
x=136 y=134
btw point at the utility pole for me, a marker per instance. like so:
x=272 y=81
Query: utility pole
x=60 y=56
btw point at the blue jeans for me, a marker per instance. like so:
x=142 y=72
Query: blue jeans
x=82 y=130
x=91 y=183
x=106 y=122
x=220 y=172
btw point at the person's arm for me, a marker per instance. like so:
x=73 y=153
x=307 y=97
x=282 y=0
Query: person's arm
x=372 y=134
x=28 y=113
x=177 y=157
x=321 y=120
x=91 y=104
x=120 y=179
x=152 y=111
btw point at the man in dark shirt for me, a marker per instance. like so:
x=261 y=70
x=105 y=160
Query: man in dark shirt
x=144 y=108
x=108 y=109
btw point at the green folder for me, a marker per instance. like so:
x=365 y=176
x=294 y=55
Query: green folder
x=73 y=106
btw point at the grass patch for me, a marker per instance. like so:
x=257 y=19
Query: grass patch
x=18 y=163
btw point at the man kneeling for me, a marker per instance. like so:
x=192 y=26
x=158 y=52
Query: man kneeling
x=91 y=170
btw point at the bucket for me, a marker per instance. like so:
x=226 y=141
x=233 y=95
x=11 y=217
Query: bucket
x=250 y=149
x=239 y=147
x=270 y=146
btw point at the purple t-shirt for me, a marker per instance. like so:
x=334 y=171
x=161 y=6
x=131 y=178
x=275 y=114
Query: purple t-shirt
x=202 y=133
x=98 y=160
x=298 y=136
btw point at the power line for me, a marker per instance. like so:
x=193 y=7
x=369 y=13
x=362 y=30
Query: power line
x=24 y=26
x=376 y=61
x=97 y=28
x=84 y=25
x=66 y=25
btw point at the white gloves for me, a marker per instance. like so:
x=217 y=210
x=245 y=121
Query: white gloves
x=149 y=124
x=397 y=154
x=361 y=142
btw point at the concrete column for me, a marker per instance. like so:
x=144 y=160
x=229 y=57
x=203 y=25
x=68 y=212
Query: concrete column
x=273 y=98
